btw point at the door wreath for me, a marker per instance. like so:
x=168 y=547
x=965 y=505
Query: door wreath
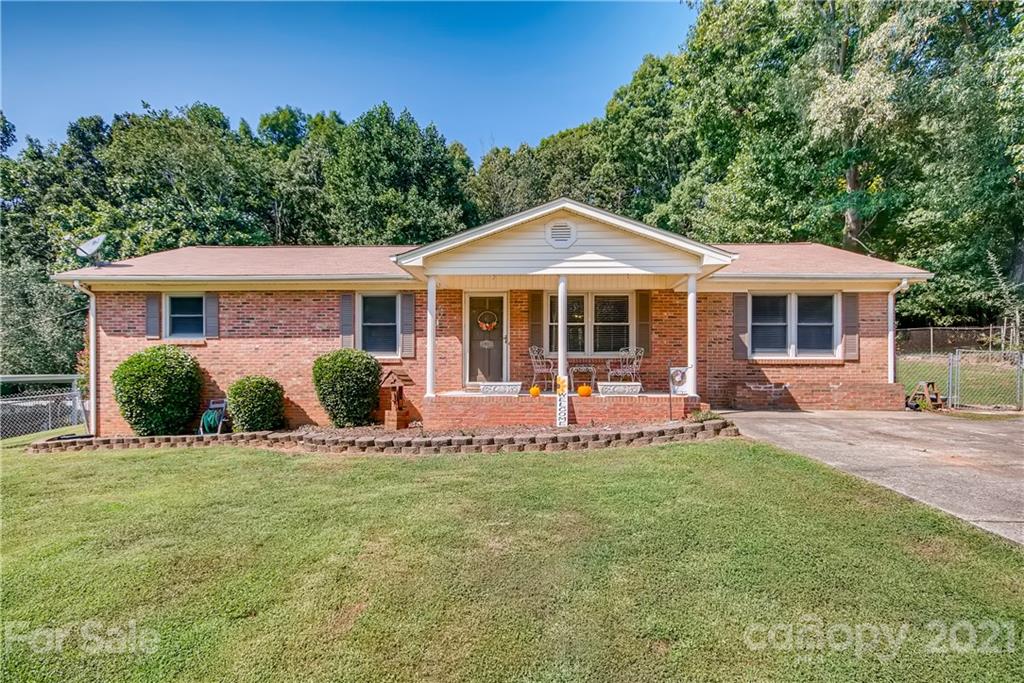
x=487 y=321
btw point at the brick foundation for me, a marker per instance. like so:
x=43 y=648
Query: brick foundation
x=454 y=412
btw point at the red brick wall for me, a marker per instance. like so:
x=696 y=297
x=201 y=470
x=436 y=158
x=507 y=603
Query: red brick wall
x=860 y=384
x=281 y=333
x=725 y=382
x=278 y=334
x=455 y=412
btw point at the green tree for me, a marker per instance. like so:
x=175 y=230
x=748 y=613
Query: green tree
x=393 y=182
x=43 y=322
x=183 y=178
x=284 y=129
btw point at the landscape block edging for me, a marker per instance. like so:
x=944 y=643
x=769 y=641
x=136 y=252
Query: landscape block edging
x=313 y=442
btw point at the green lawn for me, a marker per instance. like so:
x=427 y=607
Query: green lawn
x=628 y=565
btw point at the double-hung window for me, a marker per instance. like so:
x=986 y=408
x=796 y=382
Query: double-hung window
x=576 y=324
x=768 y=324
x=793 y=325
x=596 y=323
x=185 y=316
x=815 y=325
x=378 y=324
x=611 y=323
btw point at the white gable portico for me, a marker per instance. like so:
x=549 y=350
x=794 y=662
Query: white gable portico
x=571 y=251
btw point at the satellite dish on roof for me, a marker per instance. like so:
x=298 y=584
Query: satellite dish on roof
x=89 y=249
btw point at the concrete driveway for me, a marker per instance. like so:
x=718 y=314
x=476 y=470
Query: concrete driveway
x=970 y=468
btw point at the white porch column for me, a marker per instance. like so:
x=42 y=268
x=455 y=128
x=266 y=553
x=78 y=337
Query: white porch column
x=691 y=334
x=431 y=331
x=563 y=325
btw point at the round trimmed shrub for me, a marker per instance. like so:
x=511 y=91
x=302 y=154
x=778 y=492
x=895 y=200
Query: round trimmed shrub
x=158 y=390
x=348 y=385
x=256 y=404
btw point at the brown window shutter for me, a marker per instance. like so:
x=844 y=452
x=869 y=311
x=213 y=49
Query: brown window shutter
x=643 y=320
x=347 y=308
x=153 y=315
x=740 y=331
x=536 y=307
x=851 y=326
x=211 y=309
x=408 y=325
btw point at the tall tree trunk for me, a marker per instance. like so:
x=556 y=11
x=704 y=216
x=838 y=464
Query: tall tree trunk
x=854 y=222
x=1017 y=263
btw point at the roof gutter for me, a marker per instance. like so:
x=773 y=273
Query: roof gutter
x=70 y=277
x=92 y=353
x=905 y=277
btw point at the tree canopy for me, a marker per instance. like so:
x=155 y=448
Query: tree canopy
x=895 y=129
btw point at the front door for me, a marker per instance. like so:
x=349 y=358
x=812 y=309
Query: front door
x=486 y=338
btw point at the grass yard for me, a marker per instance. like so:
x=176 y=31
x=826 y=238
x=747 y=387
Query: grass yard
x=628 y=565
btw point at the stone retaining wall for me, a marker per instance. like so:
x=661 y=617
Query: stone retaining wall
x=513 y=442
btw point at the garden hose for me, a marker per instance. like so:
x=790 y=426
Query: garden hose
x=210 y=421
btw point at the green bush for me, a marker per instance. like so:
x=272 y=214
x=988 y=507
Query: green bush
x=348 y=385
x=158 y=390
x=256 y=403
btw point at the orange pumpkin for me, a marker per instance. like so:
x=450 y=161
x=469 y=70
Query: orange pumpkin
x=535 y=391
x=585 y=390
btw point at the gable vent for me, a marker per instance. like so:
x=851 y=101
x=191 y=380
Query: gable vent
x=560 y=234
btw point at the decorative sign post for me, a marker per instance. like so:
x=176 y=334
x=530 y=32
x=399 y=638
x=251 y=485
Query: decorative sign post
x=561 y=401
x=676 y=384
x=677 y=381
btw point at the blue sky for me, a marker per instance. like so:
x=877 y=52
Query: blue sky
x=486 y=74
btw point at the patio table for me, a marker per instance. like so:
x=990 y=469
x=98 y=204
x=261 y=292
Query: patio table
x=581 y=369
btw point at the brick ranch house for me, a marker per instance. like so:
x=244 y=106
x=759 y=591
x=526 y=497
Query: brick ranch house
x=758 y=325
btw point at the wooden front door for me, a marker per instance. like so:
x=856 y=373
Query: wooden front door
x=486 y=338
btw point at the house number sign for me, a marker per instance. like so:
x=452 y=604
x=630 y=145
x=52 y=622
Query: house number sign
x=561 y=401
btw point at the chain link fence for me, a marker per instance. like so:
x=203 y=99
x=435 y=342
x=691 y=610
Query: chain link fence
x=39 y=411
x=933 y=341
x=968 y=378
x=986 y=379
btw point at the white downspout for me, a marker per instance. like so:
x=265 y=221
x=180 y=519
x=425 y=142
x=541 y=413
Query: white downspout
x=92 y=354
x=431 y=332
x=891 y=319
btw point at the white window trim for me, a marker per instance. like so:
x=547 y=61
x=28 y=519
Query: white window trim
x=398 y=324
x=166 y=305
x=588 y=324
x=792 y=325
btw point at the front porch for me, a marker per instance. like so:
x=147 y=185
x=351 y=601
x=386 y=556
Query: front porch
x=562 y=287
